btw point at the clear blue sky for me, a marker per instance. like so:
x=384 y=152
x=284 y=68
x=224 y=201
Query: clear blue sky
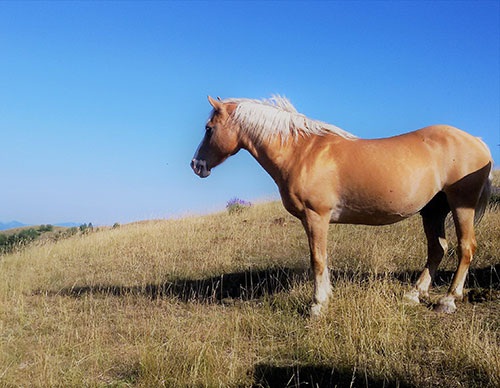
x=102 y=104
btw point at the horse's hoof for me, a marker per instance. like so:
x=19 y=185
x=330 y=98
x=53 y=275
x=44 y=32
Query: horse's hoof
x=411 y=298
x=316 y=310
x=445 y=305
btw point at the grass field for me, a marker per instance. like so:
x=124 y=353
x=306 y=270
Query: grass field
x=223 y=301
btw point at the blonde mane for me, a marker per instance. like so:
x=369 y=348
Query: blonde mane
x=265 y=119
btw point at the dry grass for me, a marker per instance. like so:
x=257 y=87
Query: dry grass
x=496 y=177
x=223 y=300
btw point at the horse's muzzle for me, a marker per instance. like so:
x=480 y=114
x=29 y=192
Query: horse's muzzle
x=200 y=168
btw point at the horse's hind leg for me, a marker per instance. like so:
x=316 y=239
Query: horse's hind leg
x=464 y=197
x=464 y=224
x=433 y=218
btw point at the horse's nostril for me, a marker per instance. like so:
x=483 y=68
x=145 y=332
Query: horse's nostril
x=200 y=168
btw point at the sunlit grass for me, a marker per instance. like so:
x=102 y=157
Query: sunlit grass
x=496 y=177
x=223 y=300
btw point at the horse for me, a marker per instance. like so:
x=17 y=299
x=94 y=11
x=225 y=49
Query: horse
x=327 y=175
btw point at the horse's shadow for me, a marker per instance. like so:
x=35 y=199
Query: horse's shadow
x=245 y=285
x=479 y=281
x=318 y=376
x=252 y=285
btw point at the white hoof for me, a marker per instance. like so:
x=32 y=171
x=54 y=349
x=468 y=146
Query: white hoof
x=412 y=297
x=316 y=310
x=446 y=305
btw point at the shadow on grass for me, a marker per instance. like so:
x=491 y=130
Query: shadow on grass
x=247 y=285
x=250 y=285
x=317 y=376
x=487 y=277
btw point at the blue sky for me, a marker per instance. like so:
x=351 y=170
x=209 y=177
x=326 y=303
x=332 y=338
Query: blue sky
x=102 y=104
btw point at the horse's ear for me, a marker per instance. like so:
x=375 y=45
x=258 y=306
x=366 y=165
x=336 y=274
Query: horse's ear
x=216 y=104
x=218 y=98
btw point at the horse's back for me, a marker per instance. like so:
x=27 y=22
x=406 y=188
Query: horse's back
x=450 y=152
x=385 y=180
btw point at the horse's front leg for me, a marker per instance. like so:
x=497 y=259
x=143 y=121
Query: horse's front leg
x=316 y=227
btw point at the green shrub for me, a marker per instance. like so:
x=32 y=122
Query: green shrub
x=45 y=228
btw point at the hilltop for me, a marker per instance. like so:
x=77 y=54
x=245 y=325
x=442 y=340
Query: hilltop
x=20 y=237
x=223 y=300
x=19 y=225
x=18 y=229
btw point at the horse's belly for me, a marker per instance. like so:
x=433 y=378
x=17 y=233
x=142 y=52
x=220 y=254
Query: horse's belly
x=367 y=216
x=378 y=209
x=385 y=197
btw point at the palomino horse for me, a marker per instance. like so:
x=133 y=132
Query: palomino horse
x=326 y=175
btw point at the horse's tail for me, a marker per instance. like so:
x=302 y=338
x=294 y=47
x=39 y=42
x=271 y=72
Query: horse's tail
x=484 y=198
x=482 y=204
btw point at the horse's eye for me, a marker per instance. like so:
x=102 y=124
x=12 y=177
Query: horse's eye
x=208 y=128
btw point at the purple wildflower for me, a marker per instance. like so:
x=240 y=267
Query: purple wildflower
x=236 y=205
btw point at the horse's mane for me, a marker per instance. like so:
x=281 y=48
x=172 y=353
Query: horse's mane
x=276 y=116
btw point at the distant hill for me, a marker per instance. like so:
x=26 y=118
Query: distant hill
x=11 y=225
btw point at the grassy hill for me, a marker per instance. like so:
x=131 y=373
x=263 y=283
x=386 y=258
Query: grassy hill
x=55 y=231
x=223 y=300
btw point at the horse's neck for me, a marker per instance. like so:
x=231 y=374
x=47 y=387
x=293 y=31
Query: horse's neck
x=273 y=156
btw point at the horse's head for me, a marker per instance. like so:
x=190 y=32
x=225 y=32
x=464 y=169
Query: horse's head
x=221 y=139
